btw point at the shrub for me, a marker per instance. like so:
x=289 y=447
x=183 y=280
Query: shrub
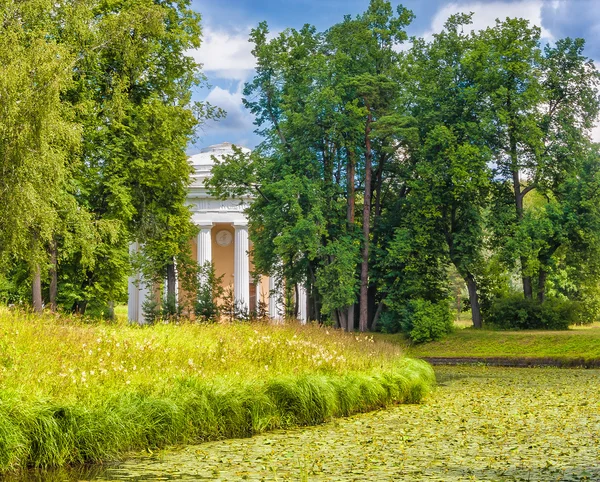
x=210 y=289
x=420 y=319
x=427 y=321
x=514 y=312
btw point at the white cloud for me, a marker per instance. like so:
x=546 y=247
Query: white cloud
x=486 y=13
x=226 y=55
x=596 y=134
x=237 y=116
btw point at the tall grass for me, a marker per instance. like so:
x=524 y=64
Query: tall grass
x=73 y=393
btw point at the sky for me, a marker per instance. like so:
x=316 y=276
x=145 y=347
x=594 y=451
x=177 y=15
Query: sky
x=227 y=61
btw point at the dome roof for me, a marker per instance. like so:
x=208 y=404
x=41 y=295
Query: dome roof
x=203 y=162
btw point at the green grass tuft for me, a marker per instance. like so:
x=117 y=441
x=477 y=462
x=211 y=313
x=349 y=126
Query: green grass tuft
x=75 y=393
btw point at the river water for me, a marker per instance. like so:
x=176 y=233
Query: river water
x=481 y=424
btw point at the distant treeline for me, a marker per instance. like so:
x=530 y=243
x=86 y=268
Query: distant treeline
x=386 y=170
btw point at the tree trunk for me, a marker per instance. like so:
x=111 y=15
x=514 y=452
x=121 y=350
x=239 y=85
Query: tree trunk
x=541 y=294
x=377 y=316
x=363 y=319
x=111 y=310
x=351 y=312
x=343 y=319
x=171 y=280
x=350 y=213
x=514 y=166
x=371 y=303
x=335 y=316
x=36 y=289
x=527 y=285
x=474 y=299
x=350 y=174
x=296 y=301
x=53 y=275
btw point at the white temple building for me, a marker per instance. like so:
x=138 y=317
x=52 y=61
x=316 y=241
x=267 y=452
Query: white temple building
x=222 y=239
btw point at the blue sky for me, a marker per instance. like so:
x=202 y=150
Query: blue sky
x=228 y=63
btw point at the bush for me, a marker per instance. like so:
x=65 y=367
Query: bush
x=427 y=321
x=421 y=320
x=514 y=312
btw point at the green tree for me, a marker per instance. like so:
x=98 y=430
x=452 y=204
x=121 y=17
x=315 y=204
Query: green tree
x=326 y=105
x=452 y=173
x=543 y=104
x=132 y=93
x=38 y=138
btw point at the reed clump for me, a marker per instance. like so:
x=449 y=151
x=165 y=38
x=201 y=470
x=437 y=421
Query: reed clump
x=76 y=393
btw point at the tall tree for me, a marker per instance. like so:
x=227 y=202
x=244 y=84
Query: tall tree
x=452 y=173
x=326 y=105
x=543 y=104
x=132 y=92
x=37 y=135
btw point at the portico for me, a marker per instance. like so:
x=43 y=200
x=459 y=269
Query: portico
x=223 y=240
x=223 y=236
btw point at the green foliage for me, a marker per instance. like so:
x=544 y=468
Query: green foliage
x=425 y=321
x=232 y=309
x=314 y=96
x=516 y=312
x=152 y=308
x=337 y=282
x=420 y=320
x=210 y=289
x=95 y=157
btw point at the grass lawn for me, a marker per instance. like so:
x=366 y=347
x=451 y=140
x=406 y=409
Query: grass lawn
x=579 y=342
x=73 y=392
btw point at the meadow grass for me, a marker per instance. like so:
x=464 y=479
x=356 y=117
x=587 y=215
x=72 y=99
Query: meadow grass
x=72 y=392
x=575 y=343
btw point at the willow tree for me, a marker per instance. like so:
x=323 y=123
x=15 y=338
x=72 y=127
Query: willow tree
x=38 y=137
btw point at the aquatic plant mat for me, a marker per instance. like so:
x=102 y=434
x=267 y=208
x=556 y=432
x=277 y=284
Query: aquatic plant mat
x=72 y=393
x=481 y=424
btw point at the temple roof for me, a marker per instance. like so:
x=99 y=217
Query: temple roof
x=203 y=162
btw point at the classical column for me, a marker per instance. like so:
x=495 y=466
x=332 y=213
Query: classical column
x=133 y=291
x=275 y=299
x=302 y=312
x=143 y=297
x=241 y=266
x=205 y=244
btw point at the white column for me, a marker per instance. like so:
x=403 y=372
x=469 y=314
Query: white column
x=275 y=299
x=176 y=284
x=143 y=294
x=205 y=244
x=137 y=292
x=241 y=266
x=302 y=312
x=133 y=291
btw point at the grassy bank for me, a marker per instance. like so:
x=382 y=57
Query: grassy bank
x=73 y=393
x=570 y=344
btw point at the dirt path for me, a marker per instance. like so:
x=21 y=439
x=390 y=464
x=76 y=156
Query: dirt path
x=482 y=424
